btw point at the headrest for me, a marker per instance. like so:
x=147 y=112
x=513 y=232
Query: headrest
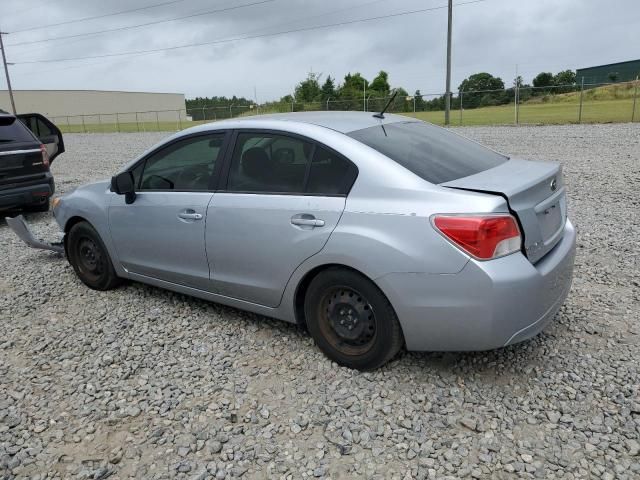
x=255 y=162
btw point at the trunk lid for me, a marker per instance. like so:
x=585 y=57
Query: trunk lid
x=536 y=194
x=20 y=155
x=19 y=161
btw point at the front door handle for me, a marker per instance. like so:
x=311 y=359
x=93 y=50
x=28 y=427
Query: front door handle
x=307 y=222
x=190 y=215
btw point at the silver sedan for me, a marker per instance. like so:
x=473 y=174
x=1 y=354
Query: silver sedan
x=373 y=233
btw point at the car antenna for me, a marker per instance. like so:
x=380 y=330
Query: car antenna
x=381 y=114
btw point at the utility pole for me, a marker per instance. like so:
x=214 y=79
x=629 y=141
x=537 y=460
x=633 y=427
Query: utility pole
x=255 y=98
x=516 y=96
x=447 y=95
x=364 y=95
x=635 y=96
x=581 y=96
x=6 y=72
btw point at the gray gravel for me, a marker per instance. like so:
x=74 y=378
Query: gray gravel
x=139 y=382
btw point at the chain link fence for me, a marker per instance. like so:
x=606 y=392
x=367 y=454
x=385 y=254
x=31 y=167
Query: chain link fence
x=556 y=104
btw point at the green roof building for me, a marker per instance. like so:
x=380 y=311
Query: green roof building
x=611 y=73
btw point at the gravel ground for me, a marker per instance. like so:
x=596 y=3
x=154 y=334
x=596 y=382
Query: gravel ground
x=139 y=382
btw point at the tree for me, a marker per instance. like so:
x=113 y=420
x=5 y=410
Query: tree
x=565 y=81
x=328 y=88
x=420 y=103
x=543 y=79
x=518 y=82
x=351 y=91
x=380 y=84
x=354 y=83
x=524 y=91
x=613 y=76
x=400 y=104
x=208 y=108
x=481 y=81
x=565 y=77
x=475 y=89
x=309 y=89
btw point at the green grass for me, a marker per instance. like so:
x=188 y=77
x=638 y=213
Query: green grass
x=610 y=104
x=618 y=91
x=549 y=113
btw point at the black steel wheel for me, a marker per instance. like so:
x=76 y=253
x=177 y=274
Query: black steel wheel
x=347 y=320
x=89 y=258
x=351 y=320
x=91 y=261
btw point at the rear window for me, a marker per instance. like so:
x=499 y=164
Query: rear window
x=433 y=153
x=11 y=130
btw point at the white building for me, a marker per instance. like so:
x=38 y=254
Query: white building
x=70 y=106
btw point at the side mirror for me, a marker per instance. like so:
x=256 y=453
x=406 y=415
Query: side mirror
x=124 y=184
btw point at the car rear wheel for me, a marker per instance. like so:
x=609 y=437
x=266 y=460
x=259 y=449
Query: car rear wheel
x=351 y=320
x=89 y=258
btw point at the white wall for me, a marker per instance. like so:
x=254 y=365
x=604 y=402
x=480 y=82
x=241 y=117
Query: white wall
x=63 y=103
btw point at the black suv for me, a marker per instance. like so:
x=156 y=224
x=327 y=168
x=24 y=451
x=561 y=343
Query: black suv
x=28 y=144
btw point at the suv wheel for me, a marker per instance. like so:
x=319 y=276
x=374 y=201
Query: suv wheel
x=351 y=320
x=89 y=258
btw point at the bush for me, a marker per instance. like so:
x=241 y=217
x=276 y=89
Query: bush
x=489 y=100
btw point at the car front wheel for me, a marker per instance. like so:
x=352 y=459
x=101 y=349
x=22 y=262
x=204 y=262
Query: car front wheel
x=351 y=320
x=89 y=258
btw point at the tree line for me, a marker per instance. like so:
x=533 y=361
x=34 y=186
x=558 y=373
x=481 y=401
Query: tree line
x=355 y=92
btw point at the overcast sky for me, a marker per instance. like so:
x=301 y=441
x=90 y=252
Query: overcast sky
x=492 y=35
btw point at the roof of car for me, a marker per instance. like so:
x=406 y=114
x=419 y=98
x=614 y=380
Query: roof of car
x=343 y=122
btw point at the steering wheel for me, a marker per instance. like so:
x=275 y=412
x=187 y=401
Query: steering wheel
x=196 y=176
x=154 y=182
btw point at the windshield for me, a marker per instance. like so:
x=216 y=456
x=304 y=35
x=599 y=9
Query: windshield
x=433 y=153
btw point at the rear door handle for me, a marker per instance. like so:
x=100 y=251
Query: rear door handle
x=307 y=222
x=190 y=214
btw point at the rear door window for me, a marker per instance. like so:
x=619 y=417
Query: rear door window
x=433 y=153
x=269 y=163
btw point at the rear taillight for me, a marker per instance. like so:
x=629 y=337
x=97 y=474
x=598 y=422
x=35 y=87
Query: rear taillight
x=481 y=236
x=45 y=156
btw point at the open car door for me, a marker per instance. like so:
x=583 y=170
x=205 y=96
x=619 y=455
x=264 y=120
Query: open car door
x=46 y=131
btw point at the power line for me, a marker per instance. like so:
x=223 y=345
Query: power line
x=261 y=29
x=84 y=19
x=251 y=37
x=23 y=10
x=155 y=22
x=247 y=32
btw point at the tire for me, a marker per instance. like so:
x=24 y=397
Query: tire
x=43 y=207
x=351 y=320
x=89 y=258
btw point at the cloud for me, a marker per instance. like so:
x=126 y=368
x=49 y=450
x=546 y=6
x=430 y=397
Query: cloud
x=493 y=36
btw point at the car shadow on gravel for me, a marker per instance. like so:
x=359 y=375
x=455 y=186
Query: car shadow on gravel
x=492 y=367
x=522 y=362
